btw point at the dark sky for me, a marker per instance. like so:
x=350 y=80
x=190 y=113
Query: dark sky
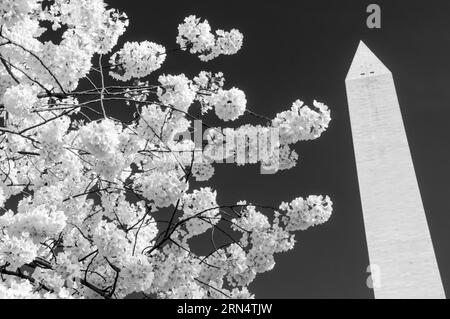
x=302 y=49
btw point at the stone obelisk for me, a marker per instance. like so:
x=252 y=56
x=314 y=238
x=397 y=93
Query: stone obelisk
x=398 y=239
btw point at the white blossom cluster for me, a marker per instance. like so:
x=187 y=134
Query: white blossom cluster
x=202 y=205
x=158 y=126
x=207 y=84
x=198 y=38
x=136 y=60
x=176 y=91
x=23 y=289
x=106 y=146
x=13 y=11
x=302 y=214
x=52 y=139
x=261 y=238
x=17 y=251
x=301 y=123
x=229 y=104
x=202 y=171
x=39 y=223
x=100 y=139
x=18 y=100
x=88 y=28
x=106 y=207
x=162 y=189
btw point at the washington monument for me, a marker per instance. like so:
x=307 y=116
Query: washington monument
x=398 y=239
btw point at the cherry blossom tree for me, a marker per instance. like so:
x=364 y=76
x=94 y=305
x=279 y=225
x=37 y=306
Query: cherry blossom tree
x=104 y=204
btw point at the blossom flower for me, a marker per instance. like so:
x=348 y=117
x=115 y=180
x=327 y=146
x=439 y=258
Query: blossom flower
x=156 y=125
x=111 y=167
x=190 y=290
x=17 y=251
x=52 y=139
x=100 y=139
x=137 y=60
x=49 y=278
x=230 y=104
x=98 y=28
x=241 y=294
x=69 y=268
x=302 y=214
x=162 y=189
x=238 y=258
x=39 y=222
x=197 y=37
x=176 y=91
x=228 y=43
x=251 y=220
x=15 y=289
x=13 y=10
x=301 y=123
x=200 y=210
x=110 y=240
x=208 y=81
x=202 y=171
x=206 y=85
x=287 y=158
x=19 y=100
x=136 y=276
